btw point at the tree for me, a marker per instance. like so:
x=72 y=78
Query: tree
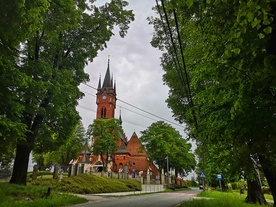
x=161 y=140
x=48 y=67
x=228 y=75
x=106 y=134
x=64 y=153
x=18 y=20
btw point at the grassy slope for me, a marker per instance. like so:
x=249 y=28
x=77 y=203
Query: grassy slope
x=34 y=194
x=219 y=199
x=85 y=183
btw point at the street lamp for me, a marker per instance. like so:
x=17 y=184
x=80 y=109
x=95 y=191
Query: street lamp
x=167 y=158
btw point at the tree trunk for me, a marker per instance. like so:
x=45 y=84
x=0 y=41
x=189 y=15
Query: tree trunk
x=103 y=161
x=270 y=174
x=255 y=193
x=21 y=162
x=271 y=179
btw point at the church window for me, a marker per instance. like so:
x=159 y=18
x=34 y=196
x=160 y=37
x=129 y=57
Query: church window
x=103 y=112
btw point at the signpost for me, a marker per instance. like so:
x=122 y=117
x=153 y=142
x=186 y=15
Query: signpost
x=203 y=175
x=219 y=177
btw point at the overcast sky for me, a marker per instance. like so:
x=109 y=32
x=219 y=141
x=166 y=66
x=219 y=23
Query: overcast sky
x=135 y=66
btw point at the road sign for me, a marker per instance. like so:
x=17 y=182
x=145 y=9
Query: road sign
x=219 y=177
x=202 y=175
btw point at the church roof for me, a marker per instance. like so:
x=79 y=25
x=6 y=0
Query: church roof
x=122 y=149
x=134 y=146
x=85 y=149
x=84 y=159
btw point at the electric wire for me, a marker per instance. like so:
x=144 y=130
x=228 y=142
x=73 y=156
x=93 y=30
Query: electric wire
x=140 y=109
x=125 y=120
x=177 y=66
x=185 y=69
x=183 y=77
x=175 y=59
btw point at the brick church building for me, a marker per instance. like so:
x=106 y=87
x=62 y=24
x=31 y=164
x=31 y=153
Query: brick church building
x=130 y=156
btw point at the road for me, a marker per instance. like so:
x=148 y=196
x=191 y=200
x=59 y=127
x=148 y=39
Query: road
x=146 y=200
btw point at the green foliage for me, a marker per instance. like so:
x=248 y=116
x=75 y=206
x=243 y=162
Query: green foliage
x=238 y=185
x=46 y=45
x=25 y=196
x=161 y=140
x=218 y=199
x=230 y=66
x=69 y=150
x=106 y=134
x=89 y=184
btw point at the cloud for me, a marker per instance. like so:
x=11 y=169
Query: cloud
x=135 y=66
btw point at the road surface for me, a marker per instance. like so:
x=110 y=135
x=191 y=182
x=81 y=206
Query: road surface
x=147 y=200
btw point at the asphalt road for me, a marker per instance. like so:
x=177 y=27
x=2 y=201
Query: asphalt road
x=147 y=200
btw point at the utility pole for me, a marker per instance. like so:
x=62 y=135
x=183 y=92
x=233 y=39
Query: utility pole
x=168 y=171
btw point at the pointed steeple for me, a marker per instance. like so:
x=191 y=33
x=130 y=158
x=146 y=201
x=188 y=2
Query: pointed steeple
x=107 y=78
x=114 y=86
x=106 y=96
x=100 y=84
x=120 y=118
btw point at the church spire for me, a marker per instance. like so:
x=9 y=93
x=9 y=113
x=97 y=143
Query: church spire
x=107 y=79
x=100 y=84
x=120 y=118
x=114 y=86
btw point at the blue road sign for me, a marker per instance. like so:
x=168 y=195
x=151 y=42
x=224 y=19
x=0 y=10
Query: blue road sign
x=219 y=177
x=202 y=174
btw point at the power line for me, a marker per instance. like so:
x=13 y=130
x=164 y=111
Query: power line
x=125 y=120
x=140 y=109
x=183 y=77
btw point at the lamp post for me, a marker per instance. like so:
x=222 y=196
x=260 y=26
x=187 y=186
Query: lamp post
x=167 y=158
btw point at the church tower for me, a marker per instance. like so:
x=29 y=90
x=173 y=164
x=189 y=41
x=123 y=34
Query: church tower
x=106 y=97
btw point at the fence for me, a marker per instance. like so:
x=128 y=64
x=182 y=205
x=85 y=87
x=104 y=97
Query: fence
x=156 y=183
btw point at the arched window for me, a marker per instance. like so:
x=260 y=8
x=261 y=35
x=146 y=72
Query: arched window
x=103 y=112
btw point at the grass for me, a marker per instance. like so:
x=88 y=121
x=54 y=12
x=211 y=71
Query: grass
x=268 y=196
x=219 y=199
x=12 y=195
x=89 y=184
x=34 y=194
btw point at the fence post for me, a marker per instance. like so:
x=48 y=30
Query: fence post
x=56 y=170
x=148 y=177
x=35 y=170
x=162 y=177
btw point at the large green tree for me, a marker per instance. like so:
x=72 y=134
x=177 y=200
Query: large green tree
x=40 y=110
x=162 y=141
x=64 y=153
x=18 y=20
x=226 y=88
x=106 y=134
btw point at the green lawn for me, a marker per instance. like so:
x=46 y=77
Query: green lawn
x=34 y=194
x=219 y=199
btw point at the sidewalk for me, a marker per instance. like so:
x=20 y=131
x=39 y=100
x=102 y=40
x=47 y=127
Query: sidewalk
x=105 y=196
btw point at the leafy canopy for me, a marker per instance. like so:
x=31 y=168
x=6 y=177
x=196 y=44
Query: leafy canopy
x=229 y=50
x=46 y=45
x=161 y=140
x=106 y=135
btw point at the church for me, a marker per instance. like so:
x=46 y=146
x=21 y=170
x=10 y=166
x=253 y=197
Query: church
x=130 y=156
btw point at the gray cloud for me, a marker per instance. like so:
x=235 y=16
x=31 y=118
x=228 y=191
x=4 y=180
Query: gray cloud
x=135 y=65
